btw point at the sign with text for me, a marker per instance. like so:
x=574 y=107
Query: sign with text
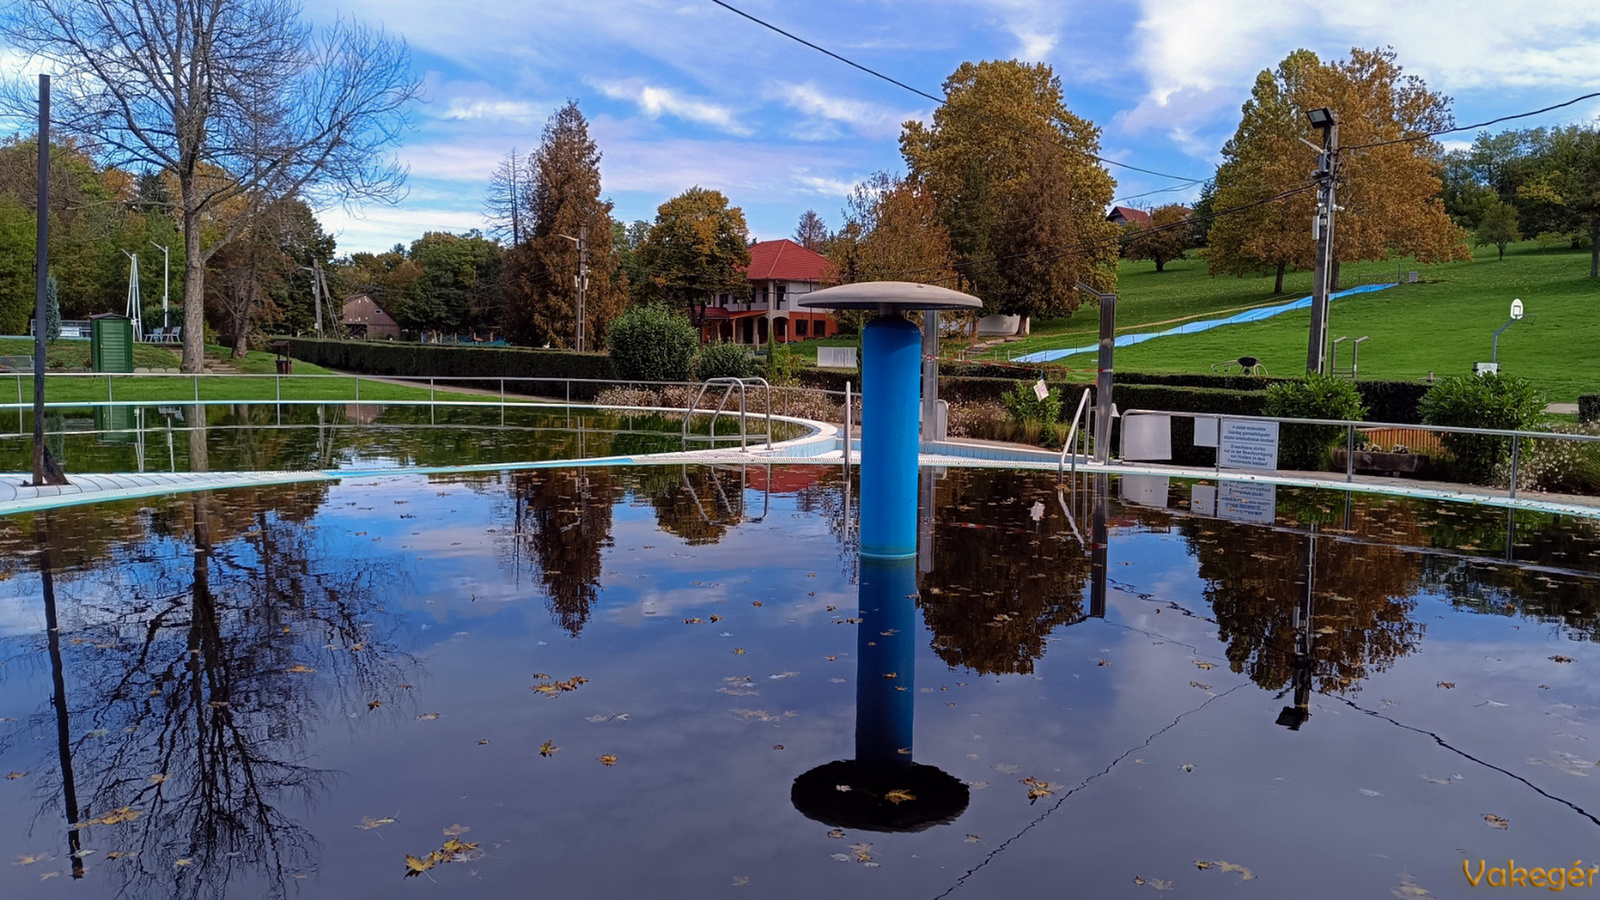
x=1248 y=502
x=1247 y=445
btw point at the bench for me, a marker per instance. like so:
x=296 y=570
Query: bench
x=16 y=364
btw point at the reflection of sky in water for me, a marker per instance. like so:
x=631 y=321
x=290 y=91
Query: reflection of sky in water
x=699 y=797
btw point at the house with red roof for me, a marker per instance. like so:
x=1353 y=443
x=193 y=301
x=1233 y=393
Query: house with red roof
x=1123 y=215
x=780 y=273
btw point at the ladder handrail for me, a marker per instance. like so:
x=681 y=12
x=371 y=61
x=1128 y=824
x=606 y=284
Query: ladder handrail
x=1066 y=446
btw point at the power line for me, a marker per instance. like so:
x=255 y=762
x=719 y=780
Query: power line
x=945 y=102
x=1473 y=127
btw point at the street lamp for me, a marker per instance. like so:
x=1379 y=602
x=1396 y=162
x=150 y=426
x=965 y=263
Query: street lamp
x=1322 y=118
x=166 y=279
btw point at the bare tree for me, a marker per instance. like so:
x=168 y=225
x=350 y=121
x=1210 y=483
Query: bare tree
x=236 y=99
x=505 y=205
x=811 y=232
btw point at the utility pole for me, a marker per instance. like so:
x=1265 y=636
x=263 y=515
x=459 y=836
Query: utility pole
x=582 y=278
x=319 y=287
x=45 y=470
x=1322 y=228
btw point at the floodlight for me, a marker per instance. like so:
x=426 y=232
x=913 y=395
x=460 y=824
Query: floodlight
x=1322 y=118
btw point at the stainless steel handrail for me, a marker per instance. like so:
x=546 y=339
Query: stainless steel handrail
x=1072 y=433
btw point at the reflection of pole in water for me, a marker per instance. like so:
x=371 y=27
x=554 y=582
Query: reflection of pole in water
x=69 y=789
x=882 y=789
x=1292 y=717
x=1100 y=547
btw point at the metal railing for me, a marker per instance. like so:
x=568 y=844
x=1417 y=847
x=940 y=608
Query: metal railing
x=730 y=385
x=1352 y=426
x=1072 y=434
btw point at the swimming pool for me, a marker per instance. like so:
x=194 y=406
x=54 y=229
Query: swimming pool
x=613 y=681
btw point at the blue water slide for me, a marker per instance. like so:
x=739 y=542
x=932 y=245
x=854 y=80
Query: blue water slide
x=1252 y=315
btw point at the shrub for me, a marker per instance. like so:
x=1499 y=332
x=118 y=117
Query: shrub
x=1025 y=406
x=406 y=359
x=1552 y=464
x=652 y=343
x=1480 y=401
x=1589 y=408
x=783 y=366
x=1316 y=397
x=724 y=360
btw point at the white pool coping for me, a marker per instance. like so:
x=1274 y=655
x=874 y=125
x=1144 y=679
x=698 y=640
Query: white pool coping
x=821 y=445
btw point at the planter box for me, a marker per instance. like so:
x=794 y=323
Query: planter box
x=1382 y=463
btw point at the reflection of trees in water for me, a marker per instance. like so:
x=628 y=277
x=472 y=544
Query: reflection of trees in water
x=697 y=503
x=1555 y=577
x=562 y=523
x=1361 y=600
x=1001 y=583
x=839 y=509
x=194 y=672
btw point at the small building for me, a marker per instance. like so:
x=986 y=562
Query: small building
x=780 y=273
x=363 y=318
x=1127 y=215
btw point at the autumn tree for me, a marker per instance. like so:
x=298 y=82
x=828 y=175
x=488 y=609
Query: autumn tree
x=541 y=273
x=891 y=232
x=1498 y=227
x=1013 y=173
x=1167 y=238
x=241 y=87
x=697 y=248
x=1389 y=182
x=811 y=232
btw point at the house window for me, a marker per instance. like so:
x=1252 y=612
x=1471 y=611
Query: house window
x=780 y=296
x=800 y=328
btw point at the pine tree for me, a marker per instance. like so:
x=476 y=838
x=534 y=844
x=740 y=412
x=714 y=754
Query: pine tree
x=811 y=232
x=564 y=196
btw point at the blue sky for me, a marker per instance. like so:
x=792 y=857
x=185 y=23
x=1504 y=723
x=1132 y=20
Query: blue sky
x=683 y=92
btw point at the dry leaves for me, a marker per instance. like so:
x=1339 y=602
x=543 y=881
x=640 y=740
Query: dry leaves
x=1497 y=822
x=552 y=688
x=1561 y=659
x=1225 y=866
x=608 y=759
x=548 y=748
x=899 y=796
x=115 y=817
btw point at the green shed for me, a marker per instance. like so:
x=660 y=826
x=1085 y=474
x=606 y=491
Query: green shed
x=111 y=343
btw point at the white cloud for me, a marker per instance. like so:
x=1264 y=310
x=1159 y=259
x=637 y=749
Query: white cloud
x=655 y=101
x=867 y=119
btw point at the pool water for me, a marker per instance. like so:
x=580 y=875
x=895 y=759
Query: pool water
x=683 y=682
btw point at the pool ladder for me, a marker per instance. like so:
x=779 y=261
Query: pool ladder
x=729 y=385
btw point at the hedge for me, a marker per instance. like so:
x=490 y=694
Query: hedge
x=1589 y=408
x=402 y=359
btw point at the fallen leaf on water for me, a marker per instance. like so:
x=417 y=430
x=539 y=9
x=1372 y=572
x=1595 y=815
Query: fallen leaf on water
x=374 y=704
x=1102 y=662
x=157 y=779
x=48 y=875
x=30 y=860
x=1205 y=665
x=740 y=881
x=1225 y=866
x=738 y=651
x=482 y=742
x=115 y=817
x=183 y=862
x=548 y=748
x=1447 y=684
x=716 y=619
x=368 y=823
x=416 y=865
x=831 y=658
x=1203 y=687
x=972 y=839
x=608 y=759
x=899 y=796
x=693 y=621
x=15 y=775
x=836 y=834
x=777 y=746
x=755 y=602
x=1496 y=822
x=1187 y=767
x=428 y=716
x=1561 y=659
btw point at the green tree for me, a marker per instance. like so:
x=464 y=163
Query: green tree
x=1498 y=226
x=16 y=267
x=697 y=248
x=1167 y=238
x=1388 y=191
x=541 y=274
x=652 y=343
x=457 y=288
x=1012 y=175
x=1566 y=187
x=52 y=309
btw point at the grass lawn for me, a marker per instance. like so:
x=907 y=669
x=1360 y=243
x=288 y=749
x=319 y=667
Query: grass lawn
x=66 y=388
x=1440 y=326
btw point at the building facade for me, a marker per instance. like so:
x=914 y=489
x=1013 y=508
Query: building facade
x=780 y=274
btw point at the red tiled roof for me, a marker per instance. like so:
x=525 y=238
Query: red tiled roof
x=785 y=261
x=1129 y=214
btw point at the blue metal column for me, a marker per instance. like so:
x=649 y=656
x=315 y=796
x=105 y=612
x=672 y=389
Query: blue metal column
x=890 y=397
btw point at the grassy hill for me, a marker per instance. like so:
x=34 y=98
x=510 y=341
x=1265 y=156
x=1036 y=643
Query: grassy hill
x=1441 y=325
